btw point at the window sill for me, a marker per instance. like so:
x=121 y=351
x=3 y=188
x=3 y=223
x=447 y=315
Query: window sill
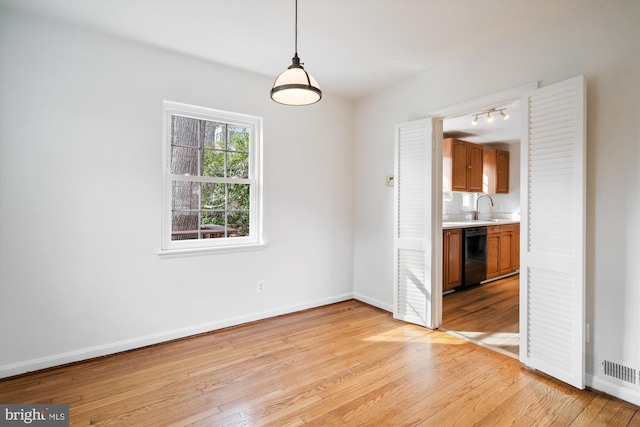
x=176 y=253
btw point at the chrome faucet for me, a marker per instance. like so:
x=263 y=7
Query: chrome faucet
x=475 y=213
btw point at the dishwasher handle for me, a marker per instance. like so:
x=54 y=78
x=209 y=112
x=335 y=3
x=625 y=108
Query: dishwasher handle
x=475 y=231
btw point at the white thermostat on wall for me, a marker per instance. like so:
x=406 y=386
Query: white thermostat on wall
x=389 y=181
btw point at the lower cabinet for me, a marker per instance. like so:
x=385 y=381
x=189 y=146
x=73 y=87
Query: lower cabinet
x=452 y=258
x=503 y=253
x=493 y=251
x=503 y=249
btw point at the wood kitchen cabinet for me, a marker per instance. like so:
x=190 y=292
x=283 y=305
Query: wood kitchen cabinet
x=462 y=165
x=493 y=251
x=506 y=251
x=452 y=258
x=515 y=248
x=503 y=250
x=495 y=171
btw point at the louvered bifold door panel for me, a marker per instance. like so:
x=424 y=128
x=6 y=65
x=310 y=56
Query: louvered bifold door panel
x=552 y=231
x=411 y=291
x=412 y=235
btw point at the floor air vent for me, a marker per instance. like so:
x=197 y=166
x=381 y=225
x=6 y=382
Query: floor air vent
x=621 y=372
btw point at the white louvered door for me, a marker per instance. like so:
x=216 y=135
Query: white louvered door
x=413 y=254
x=552 y=264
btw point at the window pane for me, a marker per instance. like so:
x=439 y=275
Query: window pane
x=213 y=163
x=186 y=132
x=213 y=196
x=237 y=165
x=213 y=225
x=184 y=215
x=238 y=223
x=184 y=161
x=209 y=218
x=215 y=135
x=239 y=197
x=238 y=138
x=184 y=225
x=184 y=195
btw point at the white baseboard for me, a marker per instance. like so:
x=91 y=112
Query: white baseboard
x=372 y=301
x=125 y=345
x=626 y=393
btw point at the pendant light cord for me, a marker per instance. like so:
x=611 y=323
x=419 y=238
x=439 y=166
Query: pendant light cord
x=296 y=34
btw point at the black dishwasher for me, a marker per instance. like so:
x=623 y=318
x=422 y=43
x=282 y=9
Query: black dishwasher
x=474 y=256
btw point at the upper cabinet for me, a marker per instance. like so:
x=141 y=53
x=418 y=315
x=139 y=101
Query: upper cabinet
x=495 y=171
x=462 y=165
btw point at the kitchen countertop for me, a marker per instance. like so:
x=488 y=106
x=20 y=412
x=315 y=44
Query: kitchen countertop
x=477 y=223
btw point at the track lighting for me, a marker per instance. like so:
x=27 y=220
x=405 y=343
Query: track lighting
x=490 y=112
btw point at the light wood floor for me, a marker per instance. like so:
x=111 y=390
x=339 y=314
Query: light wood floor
x=344 y=364
x=487 y=313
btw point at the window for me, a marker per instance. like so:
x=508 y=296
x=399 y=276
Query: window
x=211 y=178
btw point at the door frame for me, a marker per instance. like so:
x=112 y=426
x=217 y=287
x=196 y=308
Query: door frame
x=456 y=110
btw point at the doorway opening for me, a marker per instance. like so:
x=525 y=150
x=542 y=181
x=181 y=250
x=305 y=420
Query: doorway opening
x=552 y=253
x=486 y=313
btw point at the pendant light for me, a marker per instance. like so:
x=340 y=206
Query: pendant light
x=295 y=86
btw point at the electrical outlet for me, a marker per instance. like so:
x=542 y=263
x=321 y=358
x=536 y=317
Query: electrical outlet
x=260 y=286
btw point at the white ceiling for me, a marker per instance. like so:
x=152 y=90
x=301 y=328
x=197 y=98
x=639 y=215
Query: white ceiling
x=352 y=47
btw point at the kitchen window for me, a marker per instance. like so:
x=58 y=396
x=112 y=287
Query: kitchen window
x=211 y=163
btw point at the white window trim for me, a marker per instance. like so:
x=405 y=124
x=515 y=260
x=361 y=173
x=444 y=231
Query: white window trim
x=219 y=245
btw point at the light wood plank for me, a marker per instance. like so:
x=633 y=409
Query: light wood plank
x=338 y=365
x=488 y=313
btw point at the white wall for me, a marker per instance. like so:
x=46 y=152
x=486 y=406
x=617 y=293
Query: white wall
x=81 y=123
x=601 y=42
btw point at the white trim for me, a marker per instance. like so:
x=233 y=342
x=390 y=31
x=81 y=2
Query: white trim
x=178 y=253
x=189 y=178
x=436 y=223
x=620 y=391
x=476 y=104
x=189 y=247
x=373 y=301
x=139 y=342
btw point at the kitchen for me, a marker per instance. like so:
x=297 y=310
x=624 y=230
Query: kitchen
x=481 y=231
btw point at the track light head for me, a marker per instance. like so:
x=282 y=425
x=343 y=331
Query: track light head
x=490 y=115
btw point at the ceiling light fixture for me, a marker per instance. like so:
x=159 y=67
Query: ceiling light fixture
x=489 y=113
x=294 y=86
